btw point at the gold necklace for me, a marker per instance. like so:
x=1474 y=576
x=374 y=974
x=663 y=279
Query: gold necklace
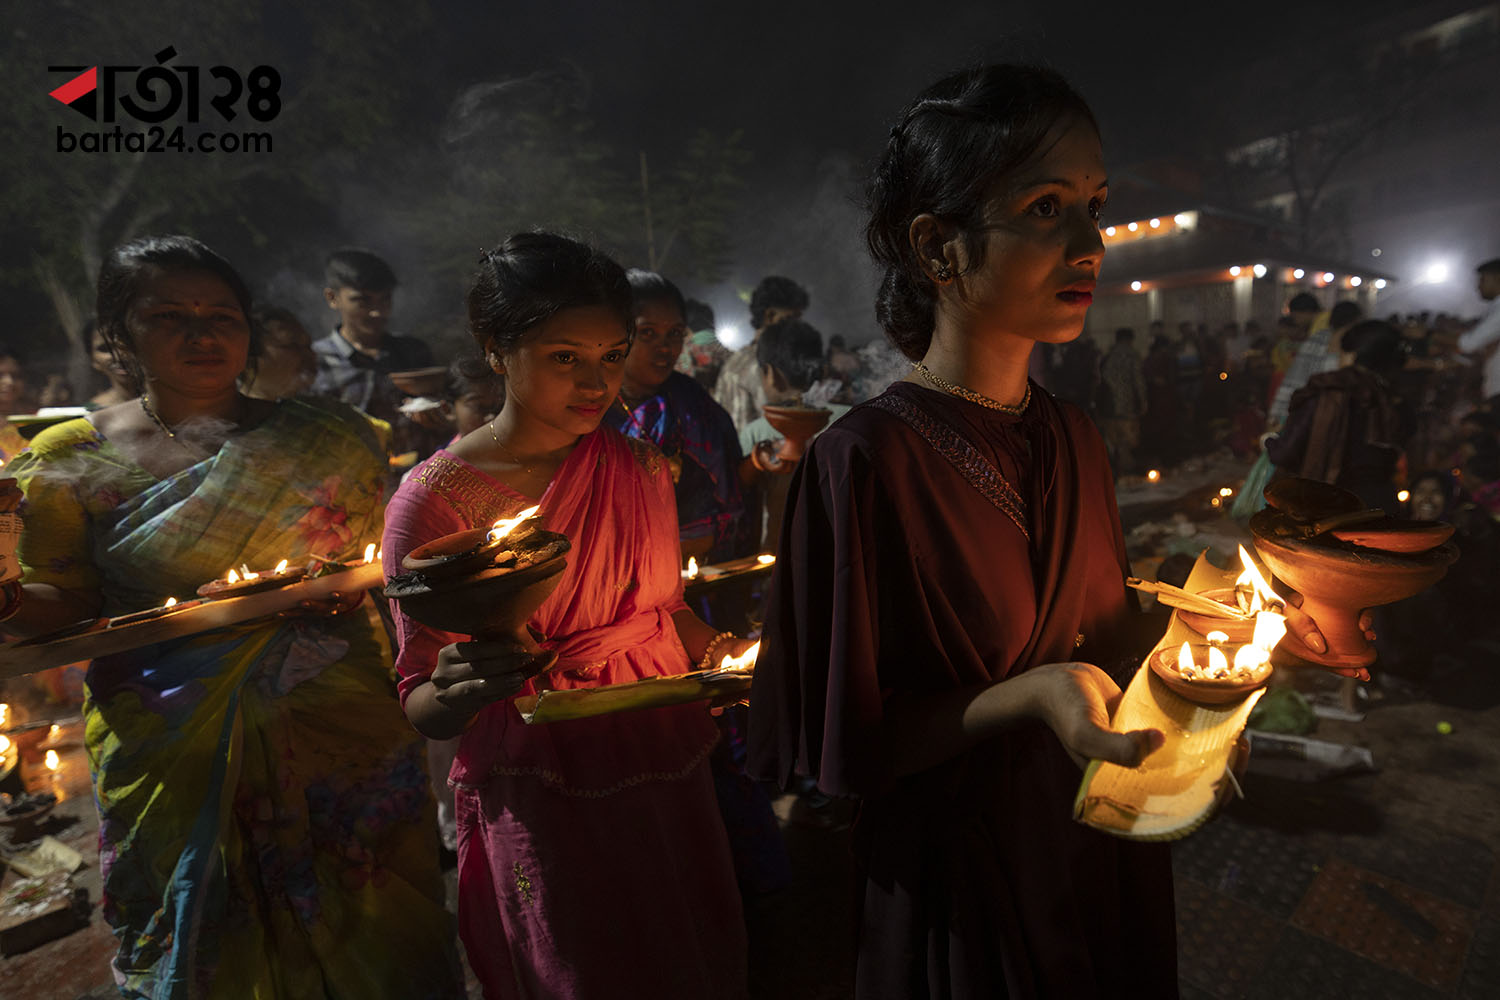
x=171 y=434
x=508 y=453
x=954 y=389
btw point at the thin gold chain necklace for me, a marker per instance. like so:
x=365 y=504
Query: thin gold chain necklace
x=527 y=469
x=171 y=434
x=954 y=389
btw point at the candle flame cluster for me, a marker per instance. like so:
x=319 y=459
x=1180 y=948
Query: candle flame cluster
x=1270 y=626
x=505 y=525
x=745 y=661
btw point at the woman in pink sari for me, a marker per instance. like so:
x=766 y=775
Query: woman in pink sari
x=592 y=860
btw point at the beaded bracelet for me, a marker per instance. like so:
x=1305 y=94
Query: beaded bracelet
x=713 y=644
x=11 y=602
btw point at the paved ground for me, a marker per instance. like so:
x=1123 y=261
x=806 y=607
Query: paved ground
x=1380 y=884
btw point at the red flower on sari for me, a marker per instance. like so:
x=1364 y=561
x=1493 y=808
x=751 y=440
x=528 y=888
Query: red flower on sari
x=323 y=527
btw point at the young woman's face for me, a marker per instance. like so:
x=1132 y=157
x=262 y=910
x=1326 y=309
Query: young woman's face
x=1427 y=500
x=478 y=406
x=286 y=365
x=188 y=332
x=567 y=371
x=1042 y=248
x=660 y=331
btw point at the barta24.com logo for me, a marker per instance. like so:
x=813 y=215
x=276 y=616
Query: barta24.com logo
x=155 y=95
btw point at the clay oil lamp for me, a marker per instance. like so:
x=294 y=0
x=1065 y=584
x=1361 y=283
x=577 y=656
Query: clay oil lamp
x=169 y=607
x=1241 y=603
x=484 y=582
x=238 y=583
x=1212 y=672
x=796 y=425
x=1344 y=559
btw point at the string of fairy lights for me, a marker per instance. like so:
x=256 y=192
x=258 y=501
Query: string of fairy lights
x=1181 y=222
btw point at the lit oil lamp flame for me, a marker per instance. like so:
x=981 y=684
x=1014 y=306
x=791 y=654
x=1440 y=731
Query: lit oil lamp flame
x=1225 y=491
x=231 y=577
x=246 y=573
x=4 y=743
x=691 y=573
x=506 y=525
x=280 y=567
x=745 y=661
x=1153 y=475
x=54 y=731
x=1185 y=665
x=370 y=553
x=765 y=559
x=52 y=761
x=1263 y=595
x=4 y=714
x=170 y=602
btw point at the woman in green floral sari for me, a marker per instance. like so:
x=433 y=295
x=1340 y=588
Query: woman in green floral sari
x=266 y=824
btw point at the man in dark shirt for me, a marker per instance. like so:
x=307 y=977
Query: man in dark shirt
x=356 y=359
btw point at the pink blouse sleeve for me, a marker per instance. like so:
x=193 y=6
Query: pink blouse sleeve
x=410 y=520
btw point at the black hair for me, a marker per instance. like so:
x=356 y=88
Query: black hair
x=6 y=351
x=1343 y=314
x=361 y=270
x=648 y=286
x=532 y=277
x=1489 y=267
x=793 y=348
x=1376 y=345
x=1124 y=335
x=699 y=315
x=1303 y=302
x=776 y=292
x=266 y=314
x=469 y=373
x=127 y=267
x=943 y=158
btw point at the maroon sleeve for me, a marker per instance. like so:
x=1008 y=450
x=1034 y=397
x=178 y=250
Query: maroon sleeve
x=816 y=704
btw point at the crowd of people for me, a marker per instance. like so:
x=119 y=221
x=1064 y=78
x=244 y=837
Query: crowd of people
x=945 y=627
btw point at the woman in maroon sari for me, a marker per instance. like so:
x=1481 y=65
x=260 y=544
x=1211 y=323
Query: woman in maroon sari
x=951 y=568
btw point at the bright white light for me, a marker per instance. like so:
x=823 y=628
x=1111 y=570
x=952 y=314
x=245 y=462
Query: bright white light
x=1437 y=272
x=1181 y=218
x=1375 y=252
x=1155 y=223
x=1135 y=286
x=730 y=336
x=1298 y=273
x=1379 y=283
x=1235 y=271
x=1327 y=277
x=1109 y=231
x=1356 y=281
x=1133 y=226
x=1260 y=270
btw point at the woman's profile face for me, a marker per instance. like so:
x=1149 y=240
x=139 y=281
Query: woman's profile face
x=1042 y=244
x=188 y=332
x=566 y=371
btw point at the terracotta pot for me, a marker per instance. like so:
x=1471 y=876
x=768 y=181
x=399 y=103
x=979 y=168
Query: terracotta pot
x=796 y=425
x=1205 y=692
x=420 y=381
x=489 y=604
x=1338 y=580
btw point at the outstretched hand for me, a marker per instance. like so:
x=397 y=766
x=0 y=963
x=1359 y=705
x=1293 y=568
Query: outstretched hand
x=1075 y=700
